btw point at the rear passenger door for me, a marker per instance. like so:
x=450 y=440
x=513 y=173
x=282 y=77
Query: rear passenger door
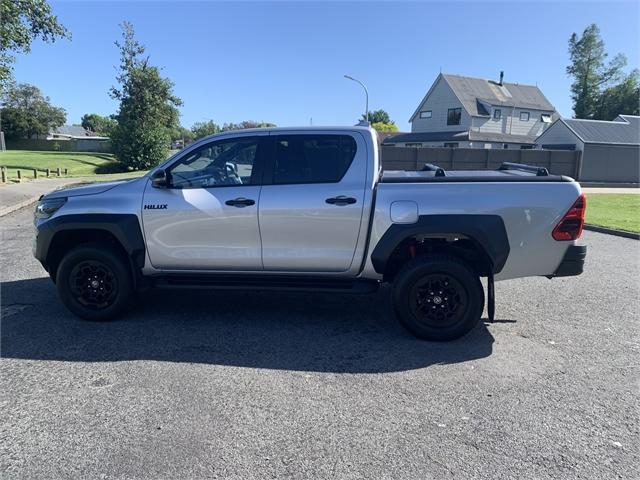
x=311 y=202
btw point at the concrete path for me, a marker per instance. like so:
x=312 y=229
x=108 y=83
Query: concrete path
x=610 y=190
x=18 y=195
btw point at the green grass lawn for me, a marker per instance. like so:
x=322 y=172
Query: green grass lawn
x=77 y=163
x=614 y=210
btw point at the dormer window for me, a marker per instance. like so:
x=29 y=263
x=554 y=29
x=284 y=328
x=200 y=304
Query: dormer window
x=524 y=116
x=497 y=114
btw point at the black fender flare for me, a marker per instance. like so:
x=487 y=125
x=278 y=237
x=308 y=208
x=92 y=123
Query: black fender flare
x=487 y=231
x=124 y=227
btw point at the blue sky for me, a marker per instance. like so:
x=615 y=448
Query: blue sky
x=284 y=61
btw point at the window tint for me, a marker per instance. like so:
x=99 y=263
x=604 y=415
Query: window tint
x=312 y=158
x=453 y=116
x=222 y=163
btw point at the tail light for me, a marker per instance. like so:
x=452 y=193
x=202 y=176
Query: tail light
x=570 y=227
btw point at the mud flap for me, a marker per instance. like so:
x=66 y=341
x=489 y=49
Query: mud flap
x=491 y=297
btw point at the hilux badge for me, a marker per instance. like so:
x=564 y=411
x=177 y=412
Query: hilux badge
x=156 y=207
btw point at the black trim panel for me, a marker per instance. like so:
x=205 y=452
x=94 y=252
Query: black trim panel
x=573 y=262
x=487 y=231
x=264 y=282
x=125 y=227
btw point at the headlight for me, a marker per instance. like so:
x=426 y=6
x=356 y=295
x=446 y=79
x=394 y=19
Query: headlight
x=46 y=208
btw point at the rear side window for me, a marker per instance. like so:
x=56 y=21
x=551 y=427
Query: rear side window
x=312 y=158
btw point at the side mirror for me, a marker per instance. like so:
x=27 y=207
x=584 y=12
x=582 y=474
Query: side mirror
x=160 y=179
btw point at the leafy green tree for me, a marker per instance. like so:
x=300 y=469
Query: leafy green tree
x=623 y=98
x=147 y=113
x=182 y=133
x=21 y=21
x=27 y=112
x=385 y=127
x=378 y=116
x=589 y=70
x=204 y=129
x=98 y=123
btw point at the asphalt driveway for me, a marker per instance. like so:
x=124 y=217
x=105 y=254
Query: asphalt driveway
x=259 y=385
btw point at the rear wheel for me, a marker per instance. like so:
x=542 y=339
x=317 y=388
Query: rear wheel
x=94 y=282
x=438 y=298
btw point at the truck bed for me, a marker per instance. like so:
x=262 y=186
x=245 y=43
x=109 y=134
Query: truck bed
x=508 y=172
x=401 y=176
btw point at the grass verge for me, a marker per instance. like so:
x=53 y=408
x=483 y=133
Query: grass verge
x=76 y=163
x=620 y=211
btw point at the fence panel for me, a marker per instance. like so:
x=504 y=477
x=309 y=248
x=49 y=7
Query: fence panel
x=558 y=162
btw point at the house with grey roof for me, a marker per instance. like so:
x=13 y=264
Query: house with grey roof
x=610 y=149
x=460 y=111
x=73 y=132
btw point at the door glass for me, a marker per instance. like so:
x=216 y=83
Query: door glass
x=312 y=158
x=223 y=163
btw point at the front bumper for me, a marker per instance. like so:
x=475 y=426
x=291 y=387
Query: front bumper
x=572 y=262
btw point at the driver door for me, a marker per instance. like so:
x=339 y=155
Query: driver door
x=207 y=217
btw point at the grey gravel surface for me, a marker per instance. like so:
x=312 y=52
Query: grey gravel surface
x=253 y=385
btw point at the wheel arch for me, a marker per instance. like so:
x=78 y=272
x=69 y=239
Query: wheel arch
x=481 y=240
x=61 y=234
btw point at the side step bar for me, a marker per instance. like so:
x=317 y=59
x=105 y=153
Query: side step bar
x=264 y=282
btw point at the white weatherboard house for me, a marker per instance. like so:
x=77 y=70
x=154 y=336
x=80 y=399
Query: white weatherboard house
x=472 y=112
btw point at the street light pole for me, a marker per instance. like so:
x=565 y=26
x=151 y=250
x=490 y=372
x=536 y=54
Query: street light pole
x=366 y=93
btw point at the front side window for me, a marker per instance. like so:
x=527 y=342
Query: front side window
x=453 y=116
x=524 y=116
x=425 y=114
x=312 y=158
x=497 y=114
x=222 y=163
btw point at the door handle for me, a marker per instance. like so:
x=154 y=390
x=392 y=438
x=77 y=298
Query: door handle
x=240 y=202
x=341 y=200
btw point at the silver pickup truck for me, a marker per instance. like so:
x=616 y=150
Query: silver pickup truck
x=310 y=209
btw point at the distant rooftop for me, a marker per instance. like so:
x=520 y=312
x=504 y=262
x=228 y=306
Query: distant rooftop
x=74 y=131
x=624 y=130
x=470 y=90
x=476 y=94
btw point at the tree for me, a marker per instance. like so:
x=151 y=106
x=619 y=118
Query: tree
x=22 y=22
x=623 y=98
x=147 y=112
x=589 y=71
x=98 y=124
x=181 y=133
x=378 y=116
x=384 y=127
x=27 y=112
x=204 y=129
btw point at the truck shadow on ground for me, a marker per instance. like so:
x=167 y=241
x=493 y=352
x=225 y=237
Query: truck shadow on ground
x=287 y=331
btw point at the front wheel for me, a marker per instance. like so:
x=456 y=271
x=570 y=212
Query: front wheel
x=438 y=298
x=94 y=282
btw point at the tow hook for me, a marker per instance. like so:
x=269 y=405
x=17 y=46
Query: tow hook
x=491 y=297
